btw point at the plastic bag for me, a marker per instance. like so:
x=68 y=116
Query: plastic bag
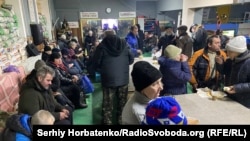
x=87 y=85
x=11 y=68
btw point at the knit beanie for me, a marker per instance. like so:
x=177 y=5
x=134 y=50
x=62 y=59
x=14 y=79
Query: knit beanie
x=164 y=110
x=47 y=48
x=182 y=27
x=237 y=44
x=172 y=51
x=65 y=51
x=144 y=74
x=56 y=50
x=39 y=63
x=53 y=56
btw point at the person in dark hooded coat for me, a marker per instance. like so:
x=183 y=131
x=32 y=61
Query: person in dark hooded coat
x=112 y=59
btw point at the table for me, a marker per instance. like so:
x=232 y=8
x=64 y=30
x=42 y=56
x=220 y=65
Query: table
x=216 y=112
x=148 y=59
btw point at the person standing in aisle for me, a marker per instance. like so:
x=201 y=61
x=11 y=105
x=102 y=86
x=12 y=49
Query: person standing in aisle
x=175 y=70
x=237 y=70
x=112 y=59
x=199 y=37
x=203 y=66
x=168 y=39
x=140 y=37
x=184 y=41
x=132 y=40
x=89 y=41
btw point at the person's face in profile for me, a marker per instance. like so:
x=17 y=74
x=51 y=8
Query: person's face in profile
x=232 y=55
x=215 y=45
x=46 y=81
x=153 y=90
x=135 y=30
x=169 y=31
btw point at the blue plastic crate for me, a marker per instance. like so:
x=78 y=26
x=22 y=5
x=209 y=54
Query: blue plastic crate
x=97 y=77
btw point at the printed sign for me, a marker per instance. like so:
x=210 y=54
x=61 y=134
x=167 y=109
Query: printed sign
x=127 y=14
x=89 y=15
x=73 y=24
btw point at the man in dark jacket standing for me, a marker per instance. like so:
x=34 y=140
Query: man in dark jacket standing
x=140 y=37
x=184 y=41
x=112 y=59
x=168 y=39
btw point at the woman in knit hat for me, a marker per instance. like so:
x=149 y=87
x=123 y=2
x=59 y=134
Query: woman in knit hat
x=147 y=82
x=175 y=71
x=237 y=70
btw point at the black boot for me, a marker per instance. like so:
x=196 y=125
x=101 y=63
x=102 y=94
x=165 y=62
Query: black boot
x=83 y=98
x=81 y=106
x=86 y=96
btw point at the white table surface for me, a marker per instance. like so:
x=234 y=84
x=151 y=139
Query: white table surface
x=213 y=112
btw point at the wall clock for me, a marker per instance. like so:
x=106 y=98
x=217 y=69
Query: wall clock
x=108 y=10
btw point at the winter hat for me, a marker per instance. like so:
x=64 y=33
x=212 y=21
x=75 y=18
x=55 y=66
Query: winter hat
x=56 y=50
x=172 y=51
x=237 y=44
x=168 y=26
x=65 y=51
x=47 y=48
x=144 y=74
x=53 y=56
x=164 y=110
x=182 y=27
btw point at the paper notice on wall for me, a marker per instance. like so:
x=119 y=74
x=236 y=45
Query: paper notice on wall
x=89 y=15
x=73 y=24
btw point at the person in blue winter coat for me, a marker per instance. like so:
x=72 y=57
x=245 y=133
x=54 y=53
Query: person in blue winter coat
x=133 y=42
x=175 y=71
x=19 y=126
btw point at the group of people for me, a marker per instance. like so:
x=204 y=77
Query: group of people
x=180 y=63
x=152 y=101
x=147 y=106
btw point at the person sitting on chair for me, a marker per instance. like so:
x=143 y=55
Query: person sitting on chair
x=19 y=127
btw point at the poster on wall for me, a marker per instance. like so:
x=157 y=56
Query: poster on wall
x=73 y=24
x=89 y=15
x=129 y=14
